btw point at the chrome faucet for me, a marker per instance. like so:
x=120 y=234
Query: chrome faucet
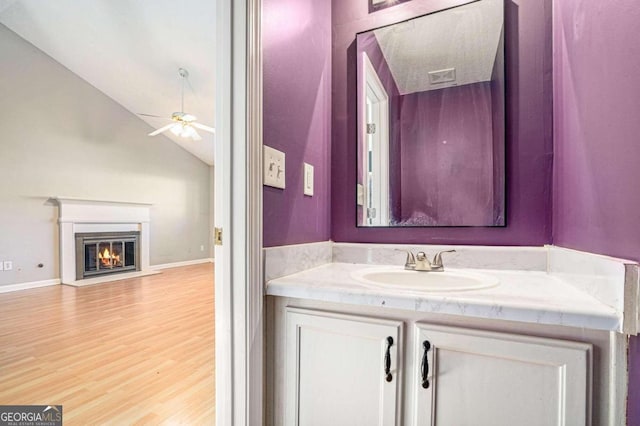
x=420 y=262
x=410 y=263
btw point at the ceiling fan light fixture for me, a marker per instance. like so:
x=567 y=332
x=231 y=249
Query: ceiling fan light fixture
x=184 y=124
x=176 y=129
x=188 y=132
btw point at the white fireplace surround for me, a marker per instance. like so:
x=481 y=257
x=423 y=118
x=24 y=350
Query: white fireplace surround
x=78 y=215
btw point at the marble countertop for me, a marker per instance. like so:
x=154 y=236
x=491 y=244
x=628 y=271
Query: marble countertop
x=526 y=296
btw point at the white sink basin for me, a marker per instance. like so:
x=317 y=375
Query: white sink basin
x=401 y=279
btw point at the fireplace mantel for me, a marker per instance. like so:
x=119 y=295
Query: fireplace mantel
x=78 y=215
x=94 y=201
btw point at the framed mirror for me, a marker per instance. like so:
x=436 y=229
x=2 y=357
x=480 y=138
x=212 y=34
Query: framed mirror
x=375 y=5
x=431 y=120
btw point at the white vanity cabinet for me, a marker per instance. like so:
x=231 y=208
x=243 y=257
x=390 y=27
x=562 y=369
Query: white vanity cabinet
x=334 y=374
x=341 y=370
x=478 y=378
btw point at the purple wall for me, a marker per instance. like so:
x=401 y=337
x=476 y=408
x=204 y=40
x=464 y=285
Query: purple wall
x=297 y=116
x=597 y=127
x=447 y=156
x=529 y=120
x=597 y=137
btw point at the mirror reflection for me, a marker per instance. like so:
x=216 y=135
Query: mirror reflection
x=431 y=120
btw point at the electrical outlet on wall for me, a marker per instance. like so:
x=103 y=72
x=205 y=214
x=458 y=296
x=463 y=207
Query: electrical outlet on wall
x=8 y=265
x=273 y=167
x=1 y=266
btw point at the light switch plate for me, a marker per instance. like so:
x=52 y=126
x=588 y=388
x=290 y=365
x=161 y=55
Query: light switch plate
x=308 y=179
x=8 y=265
x=1 y=266
x=273 y=167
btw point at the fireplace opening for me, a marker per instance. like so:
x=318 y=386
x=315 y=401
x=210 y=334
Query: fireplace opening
x=106 y=253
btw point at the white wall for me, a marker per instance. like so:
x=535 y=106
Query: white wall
x=61 y=136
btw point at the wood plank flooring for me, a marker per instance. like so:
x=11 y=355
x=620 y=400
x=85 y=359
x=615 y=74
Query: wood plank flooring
x=137 y=351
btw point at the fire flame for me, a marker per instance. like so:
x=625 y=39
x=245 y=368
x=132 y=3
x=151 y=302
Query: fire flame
x=109 y=259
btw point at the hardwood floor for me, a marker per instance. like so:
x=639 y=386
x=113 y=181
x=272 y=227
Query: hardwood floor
x=137 y=351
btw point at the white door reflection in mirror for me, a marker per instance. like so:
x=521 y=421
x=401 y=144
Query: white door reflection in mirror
x=375 y=137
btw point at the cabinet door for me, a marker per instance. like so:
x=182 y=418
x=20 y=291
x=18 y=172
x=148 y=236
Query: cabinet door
x=335 y=370
x=480 y=378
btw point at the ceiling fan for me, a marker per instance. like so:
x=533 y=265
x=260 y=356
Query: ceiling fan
x=183 y=124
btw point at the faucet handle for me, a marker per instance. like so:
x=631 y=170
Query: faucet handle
x=437 y=259
x=410 y=263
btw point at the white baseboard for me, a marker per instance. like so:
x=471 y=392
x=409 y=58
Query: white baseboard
x=179 y=264
x=56 y=281
x=28 y=285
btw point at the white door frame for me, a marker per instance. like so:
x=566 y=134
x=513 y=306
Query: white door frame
x=373 y=88
x=239 y=321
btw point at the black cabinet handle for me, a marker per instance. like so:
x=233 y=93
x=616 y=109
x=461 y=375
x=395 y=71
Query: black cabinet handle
x=387 y=360
x=425 y=364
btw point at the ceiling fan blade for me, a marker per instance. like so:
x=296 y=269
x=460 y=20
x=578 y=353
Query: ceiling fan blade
x=161 y=129
x=151 y=115
x=203 y=127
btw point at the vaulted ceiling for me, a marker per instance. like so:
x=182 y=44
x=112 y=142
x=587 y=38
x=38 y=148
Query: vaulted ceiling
x=131 y=51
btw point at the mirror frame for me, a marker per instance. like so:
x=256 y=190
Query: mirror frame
x=375 y=6
x=503 y=163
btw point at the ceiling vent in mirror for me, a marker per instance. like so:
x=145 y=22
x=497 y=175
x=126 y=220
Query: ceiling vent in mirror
x=442 y=76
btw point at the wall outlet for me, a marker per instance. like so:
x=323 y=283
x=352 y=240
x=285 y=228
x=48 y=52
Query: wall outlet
x=201 y=248
x=273 y=167
x=1 y=266
x=8 y=265
x=308 y=179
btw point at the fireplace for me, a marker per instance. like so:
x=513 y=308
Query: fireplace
x=100 y=253
x=112 y=225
